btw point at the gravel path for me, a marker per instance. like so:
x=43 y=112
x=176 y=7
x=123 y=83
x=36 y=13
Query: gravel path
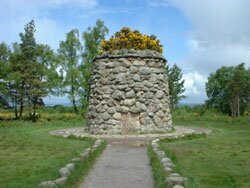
x=121 y=166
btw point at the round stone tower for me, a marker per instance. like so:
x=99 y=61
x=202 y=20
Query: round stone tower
x=129 y=93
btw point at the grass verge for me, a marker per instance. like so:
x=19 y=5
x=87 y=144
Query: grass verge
x=221 y=160
x=29 y=155
x=159 y=174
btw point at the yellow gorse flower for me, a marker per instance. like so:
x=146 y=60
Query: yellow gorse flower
x=126 y=38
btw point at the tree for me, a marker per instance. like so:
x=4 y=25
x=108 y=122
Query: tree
x=92 y=45
x=31 y=68
x=228 y=89
x=4 y=70
x=176 y=85
x=70 y=52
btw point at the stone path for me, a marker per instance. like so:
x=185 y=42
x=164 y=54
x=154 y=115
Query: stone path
x=121 y=166
x=124 y=164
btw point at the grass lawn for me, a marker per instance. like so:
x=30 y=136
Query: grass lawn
x=220 y=160
x=29 y=155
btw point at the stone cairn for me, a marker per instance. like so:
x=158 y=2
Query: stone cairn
x=129 y=93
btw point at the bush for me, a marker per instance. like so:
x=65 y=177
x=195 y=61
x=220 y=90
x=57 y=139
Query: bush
x=128 y=39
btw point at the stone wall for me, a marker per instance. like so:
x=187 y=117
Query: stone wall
x=129 y=93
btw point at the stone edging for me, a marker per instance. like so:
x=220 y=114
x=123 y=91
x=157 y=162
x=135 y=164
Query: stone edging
x=124 y=53
x=173 y=179
x=67 y=170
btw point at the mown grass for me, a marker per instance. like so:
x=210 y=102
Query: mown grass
x=29 y=155
x=159 y=174
x=220 y=160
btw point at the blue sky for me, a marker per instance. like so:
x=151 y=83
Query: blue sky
x=198 y=35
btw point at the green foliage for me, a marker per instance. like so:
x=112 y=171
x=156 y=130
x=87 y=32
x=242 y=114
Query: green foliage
x=228 y=90
x=4 y=70
x=129 y=39
x=176 y=85
x=92 y=41
x=28 y=72
x=69 y=55
x=159 y=174
x=76 y=63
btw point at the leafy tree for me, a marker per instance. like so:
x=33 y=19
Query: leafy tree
x=30 y=75
x=4 y=69
x=176 y=85
x=92 y=44
x=228 y=89
x=69 y=55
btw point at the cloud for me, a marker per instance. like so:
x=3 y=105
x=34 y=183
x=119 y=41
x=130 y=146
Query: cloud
x=49 y=29
x=220 y=36
x=194 y=84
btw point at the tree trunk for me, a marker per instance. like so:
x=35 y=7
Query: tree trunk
x=238 y=105
x=21 y=108
x=73 y=99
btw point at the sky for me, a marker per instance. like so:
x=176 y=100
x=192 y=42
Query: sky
x=199 y=36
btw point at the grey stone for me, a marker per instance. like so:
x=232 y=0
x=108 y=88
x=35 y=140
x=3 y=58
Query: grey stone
x=122 y=109
x=124 y=62
x=171 y=181
x=165 y=160
x=118 y=95
x=157 y=121
x=122 y=87
x=133 y=69
x=64 y=172
x=168 y=164
x=174 y=175
x=105 y=116
x=145 y=70
x=157 y=70
x=139 y=63
x=113 y=122
x=178 y=186
x=148 y=84
x=110 y=65
x=149 y=95
x=77 y=159
x=129 y=102
x=117 y=116
x=84 y=155
x=111 y=110
x=159 y=94
x=160 y=114
x=70 y=167
x=47 y=184
x=119 y=69
x=138 y=107
x=145 y=120
x=121 y=78
x=168 y=170
x=130 y=94
x=106 y=90
x=151 y=114
x=100 y=109
x=61 y=181
x=136 y=78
